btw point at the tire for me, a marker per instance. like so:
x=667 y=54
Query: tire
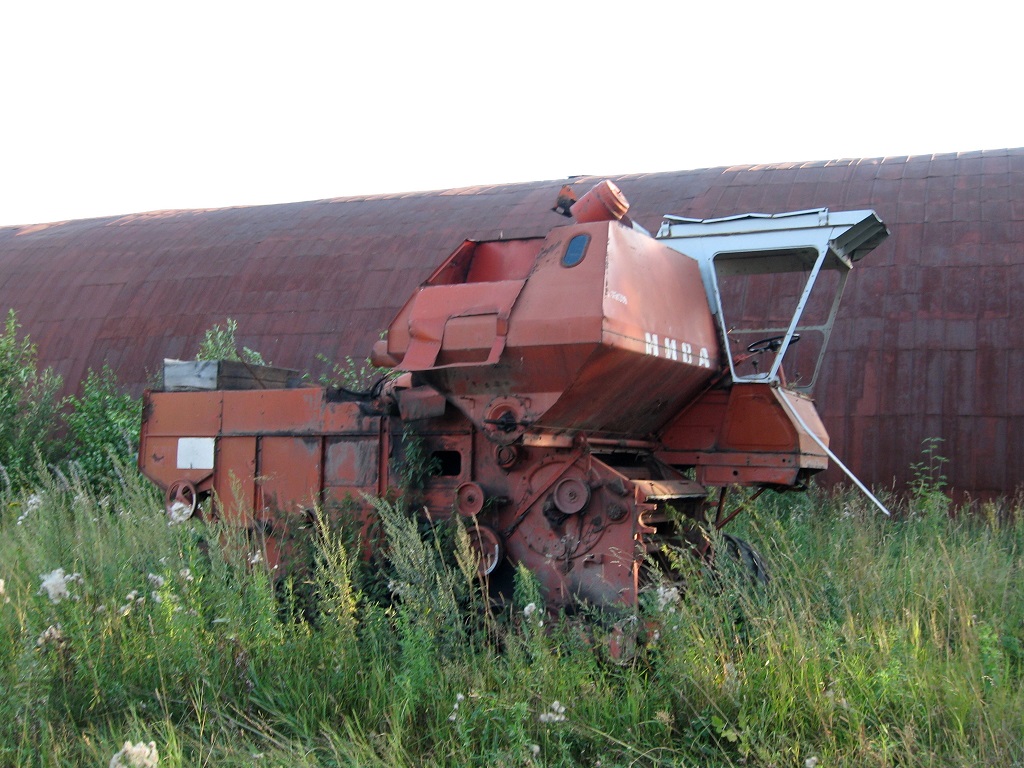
x=749 y=558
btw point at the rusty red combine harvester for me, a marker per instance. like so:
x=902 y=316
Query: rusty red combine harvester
x=575 y=395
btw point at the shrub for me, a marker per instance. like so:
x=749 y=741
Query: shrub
x=29 y=407
x=928 y=489
x=103 y=428
x=220 y=344
x=354 y=376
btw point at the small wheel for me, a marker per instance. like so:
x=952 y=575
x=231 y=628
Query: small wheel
x=772 y=343
x=487 y=544
x=571 y=495
x=748 y=557
x=469 y=499
x=181 y=501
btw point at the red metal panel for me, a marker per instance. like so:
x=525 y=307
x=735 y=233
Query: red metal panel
x=270 y=411
x=235 y=479
x=199 y=417
x=352 y=464
x=288 y=475
x=159 y=459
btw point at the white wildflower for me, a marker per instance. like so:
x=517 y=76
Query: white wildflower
x=531 y=610
x=186 y=574
x=255 y=558
x=459 y=698
x=139 y=755
x=811 y=762
x=135 y=600
x=156 y=597
x=32 y=503
x=155 y=580
x=178 y=513
x=55 y=584
x=3 y=592
x=29 y=507
x=667 y=598
x=555 y=713
x=534 y=749
x=52 y=635
x=101 y=608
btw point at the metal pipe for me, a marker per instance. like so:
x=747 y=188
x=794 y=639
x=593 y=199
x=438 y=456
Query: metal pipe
x=831 y=455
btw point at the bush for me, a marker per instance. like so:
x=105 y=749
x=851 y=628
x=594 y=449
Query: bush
x=353 y=375
x=220 y=344
x=103 y=428
x=29 y=408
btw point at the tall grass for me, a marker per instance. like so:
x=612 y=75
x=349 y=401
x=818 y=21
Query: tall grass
x=877 y=642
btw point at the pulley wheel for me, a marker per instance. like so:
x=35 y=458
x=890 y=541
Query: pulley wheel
x=503 y=423
x=487 y=544
x=181 y=501
x=571 y=495
x=469 y=499
x=506 y=456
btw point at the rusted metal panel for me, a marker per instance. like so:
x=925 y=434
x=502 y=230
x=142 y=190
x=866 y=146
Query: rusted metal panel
x=169 y=416
x=235 y=479
x=268 y=411
x=352 y=464
x=289 y=473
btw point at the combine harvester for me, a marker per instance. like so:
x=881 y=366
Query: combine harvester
x=575 y=396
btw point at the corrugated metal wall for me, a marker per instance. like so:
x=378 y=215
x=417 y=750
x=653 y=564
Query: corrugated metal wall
x=925 y=345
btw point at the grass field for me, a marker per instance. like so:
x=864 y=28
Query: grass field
x=877 y=643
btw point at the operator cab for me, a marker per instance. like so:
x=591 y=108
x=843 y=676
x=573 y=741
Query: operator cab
x=773 y=280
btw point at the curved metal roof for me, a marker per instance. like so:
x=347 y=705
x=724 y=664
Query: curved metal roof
x=923 y=346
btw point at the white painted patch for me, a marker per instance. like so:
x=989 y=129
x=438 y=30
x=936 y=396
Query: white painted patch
x=195 y=452
x=673 y=349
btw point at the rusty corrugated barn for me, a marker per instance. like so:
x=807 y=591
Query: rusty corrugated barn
x=924 y=345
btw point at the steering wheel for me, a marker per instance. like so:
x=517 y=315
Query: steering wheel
x=772 y=343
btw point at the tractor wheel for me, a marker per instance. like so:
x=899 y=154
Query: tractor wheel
x=748 y=557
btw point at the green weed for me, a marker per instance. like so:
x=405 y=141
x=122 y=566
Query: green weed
x=876 y=642
x=219 y=343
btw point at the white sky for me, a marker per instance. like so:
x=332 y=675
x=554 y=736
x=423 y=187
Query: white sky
x=119 y=107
